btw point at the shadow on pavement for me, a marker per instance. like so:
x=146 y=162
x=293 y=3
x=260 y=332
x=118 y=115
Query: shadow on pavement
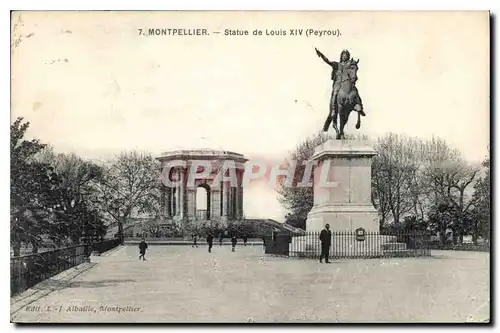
x=449 y=257
x=58 y=284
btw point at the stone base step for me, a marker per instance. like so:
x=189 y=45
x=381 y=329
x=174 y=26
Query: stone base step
x=406 y=253
x=397 y=253
x=394 y=246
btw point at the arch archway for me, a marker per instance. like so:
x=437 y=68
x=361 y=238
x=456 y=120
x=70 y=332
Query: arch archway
x=203 y=202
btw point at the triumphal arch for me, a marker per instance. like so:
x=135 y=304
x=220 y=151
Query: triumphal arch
x=215 y=173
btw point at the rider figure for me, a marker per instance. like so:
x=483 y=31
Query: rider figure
x=338 y=69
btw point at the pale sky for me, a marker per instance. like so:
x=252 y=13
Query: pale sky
x=89 y=84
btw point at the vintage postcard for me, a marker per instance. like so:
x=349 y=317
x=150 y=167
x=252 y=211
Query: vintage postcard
x=250 y=167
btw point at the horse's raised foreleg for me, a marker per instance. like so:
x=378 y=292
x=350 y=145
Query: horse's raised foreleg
x=358 y=106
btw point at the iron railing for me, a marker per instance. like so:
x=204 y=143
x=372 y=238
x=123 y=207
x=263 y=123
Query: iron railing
x=30 y=269
x=105 y=245
x=348 y=244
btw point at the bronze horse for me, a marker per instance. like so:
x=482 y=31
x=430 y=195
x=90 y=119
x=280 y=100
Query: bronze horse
x=347 y=100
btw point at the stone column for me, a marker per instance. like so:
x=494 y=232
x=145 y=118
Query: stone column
x=166 y=203
x=182 y=194
x=223 y=207
x=163 y=200
x=237 y=202
x=215 y=212
x=225 y=199
x=230 y=201
x=240 y=202
x=239 y=196
x=178 y=196
x=191 y=203
x=234 y=202
x=172 y=201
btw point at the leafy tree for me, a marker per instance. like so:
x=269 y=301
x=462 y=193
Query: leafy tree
x=441 y=220
x=31 y=184
x=152 y=227
x=72 y=199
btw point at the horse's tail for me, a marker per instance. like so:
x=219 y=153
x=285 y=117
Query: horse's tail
x=327 y=123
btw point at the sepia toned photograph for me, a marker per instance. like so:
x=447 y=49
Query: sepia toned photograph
x=250 y=167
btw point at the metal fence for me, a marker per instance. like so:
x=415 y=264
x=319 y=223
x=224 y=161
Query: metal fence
x=105 y=245
x=30 y=269
x=348 y=244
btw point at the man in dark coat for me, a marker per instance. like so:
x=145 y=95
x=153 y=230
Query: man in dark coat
x=221 y=238
x=142 y=249
x=326 y=240
x=234 y=240
x=245 y=239
x=210 y=241
x=195 y=239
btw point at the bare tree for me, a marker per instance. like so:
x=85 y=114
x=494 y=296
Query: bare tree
x=449 y=180
x=380 y=192
x=482 y=204
x=395 y=176
x=127 y=186
x=299 y=200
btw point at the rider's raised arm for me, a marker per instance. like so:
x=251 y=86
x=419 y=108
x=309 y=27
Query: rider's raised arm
x=325 y=59
x=334 y=64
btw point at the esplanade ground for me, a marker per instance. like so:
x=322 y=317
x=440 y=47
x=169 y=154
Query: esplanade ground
x=184 y=284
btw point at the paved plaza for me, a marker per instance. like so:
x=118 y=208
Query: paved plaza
x=185 y=284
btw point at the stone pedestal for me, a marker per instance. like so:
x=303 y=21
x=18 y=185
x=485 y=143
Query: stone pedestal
x=342 y=198
x=342 y=187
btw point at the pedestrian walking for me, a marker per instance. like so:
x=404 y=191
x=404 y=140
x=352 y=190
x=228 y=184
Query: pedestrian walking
x=326 y=240
x=210 y=240
x=234 y=240
x=245 y=239
x=195 y=239
x=221 y=238
x=142 y=249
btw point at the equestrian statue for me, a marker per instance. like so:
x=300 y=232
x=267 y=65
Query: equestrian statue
x=345 y=97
